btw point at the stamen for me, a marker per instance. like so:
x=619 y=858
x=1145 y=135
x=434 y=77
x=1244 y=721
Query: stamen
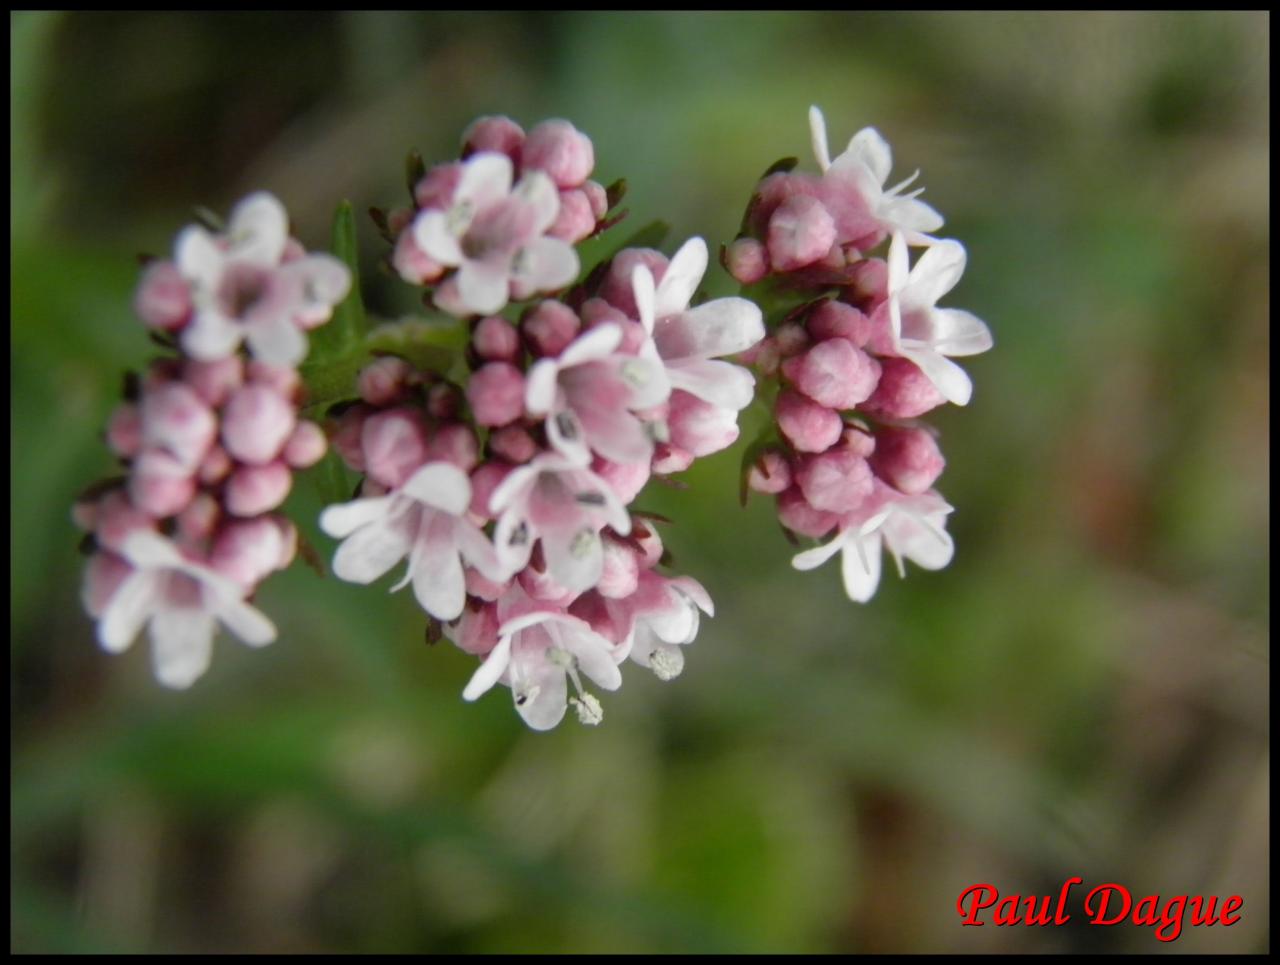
x=902 y=184
x=589 y=710
x=590 y=499
x=458 y=220
x=658 y=430
x=519 y=535
x=583 y=543
x=635 y=373
x=567 y=425
x=666 y=662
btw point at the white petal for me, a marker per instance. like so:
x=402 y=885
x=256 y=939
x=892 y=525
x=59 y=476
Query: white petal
x=951 y=380
x=433 y=237
x=277 y=341
x=127 y=610
x=861 y=571
x=479 y=552
x=258 y=229
x=147 y=549
x=540 y=386
x=512 y=557
x=681 y=279
x=593 y=652
x=899 y=263
x=913 y=216
x=722 y=384
x=725 y=326
x=813 y=558
x=957 y=332
x=487 y=673
x=441 y=485
x=438 y=581
x=575 y=557
x=541 y=694
x=595 y=343
x=869 y=149
x=568 y=437
x=181 y=645
x=486 y=180
x=646 y=378
x=343 y=519
x=371 y=551
x=696 y=592
x=818 y=134
x=506 y=492
x=539 y=192
x=924 y=541
x=323 y=281
x=209 y=336
x=247 y=622
x=646 y=295
x=935 y=273
x=198 y=257
x=546 y=264
x=483 y=286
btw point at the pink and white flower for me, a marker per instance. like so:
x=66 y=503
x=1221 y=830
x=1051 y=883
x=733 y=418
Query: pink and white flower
x=495 y=235
x=923 y=333
x=251 y=284
x=907 y=526
x=563 y=504
x=660 y=618
x=424 y=519
x=181 y=601
x=540 y=650
x=589 y=395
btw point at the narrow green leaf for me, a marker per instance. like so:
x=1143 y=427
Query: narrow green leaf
x=337 y=336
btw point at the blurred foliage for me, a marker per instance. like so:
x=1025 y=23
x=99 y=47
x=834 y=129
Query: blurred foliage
x=1083 y=692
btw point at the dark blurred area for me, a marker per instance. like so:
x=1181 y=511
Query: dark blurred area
x=1083 y=692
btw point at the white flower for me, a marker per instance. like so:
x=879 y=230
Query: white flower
x=496 y=237
x=864 y=166
x=687 y=340
x=924 y=333
x=659 y=619
x=539 y=652
x=182 y=601
x=425 y=519
x=588 y=395
x=243 y=289
x=907 y=526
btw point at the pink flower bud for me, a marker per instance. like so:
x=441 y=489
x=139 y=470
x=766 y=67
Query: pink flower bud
x=160 y=484
x=764 y=355
x=561 y=150
x=454 y=443
x=163 y=298
x=253 y=490
x=214 y=467
x=668 y=459
x=479 y=585
x=792 y=339
x=880 y=339
x=385 y=380
x=395 y=445
x=625 y=479
x=801 y=232
x=214 y=381
x=795 y=513
x=540 y=585
x=103 y=576
x=747 y=260
x=494 y=133
x=598 y=198
x=834 y=373
x=904 y=391
x=650 y=542
x=496 y=340
x=620 y=573
x=771 y=472
x=698 y=426
x=176 y=420
x=836 y=481
x=247 y=550
x=908 y=458
x=305 y=446
x=412 y=263
x=284 y=379
x=400 y=218
x=616 y=288
x=348 y=436
x=809 y=427
x=444 y=401
x=477 y=631
x=869 y=282
x=576 y=220
x=161 y=372
x=857 y=441
x=774 y=191
x=591 y=606
x=256 y=423
x=496 y=394
x=513 y=443
x=549 y=328
x=834 y=319
x=288 y=541
x=597 y=311
x=124 y=430
x=484 y=480
x=197 y=522
x=116 y=518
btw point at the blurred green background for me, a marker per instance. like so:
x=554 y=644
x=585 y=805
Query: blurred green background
x=1083 y=692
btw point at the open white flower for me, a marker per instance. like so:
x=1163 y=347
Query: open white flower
x=924 y=333
x=659 y=619
x=907 y=526
x=539 y=652
x=688 y=340
x=243 y=289
x=496 y=237
x=425 y=520
x=588 y=395
x=182 y=602
x=864 y=166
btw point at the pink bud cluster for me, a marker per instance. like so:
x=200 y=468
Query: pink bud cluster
x=209 y=442
x=500 y=223
x=856 y=368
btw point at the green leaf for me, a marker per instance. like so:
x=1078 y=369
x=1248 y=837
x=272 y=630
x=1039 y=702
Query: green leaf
x=433 y=346
x=331 y=480
x=337 y=336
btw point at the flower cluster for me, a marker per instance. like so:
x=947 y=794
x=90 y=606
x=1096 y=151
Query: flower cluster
x=209 y=441
x=859 y=359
